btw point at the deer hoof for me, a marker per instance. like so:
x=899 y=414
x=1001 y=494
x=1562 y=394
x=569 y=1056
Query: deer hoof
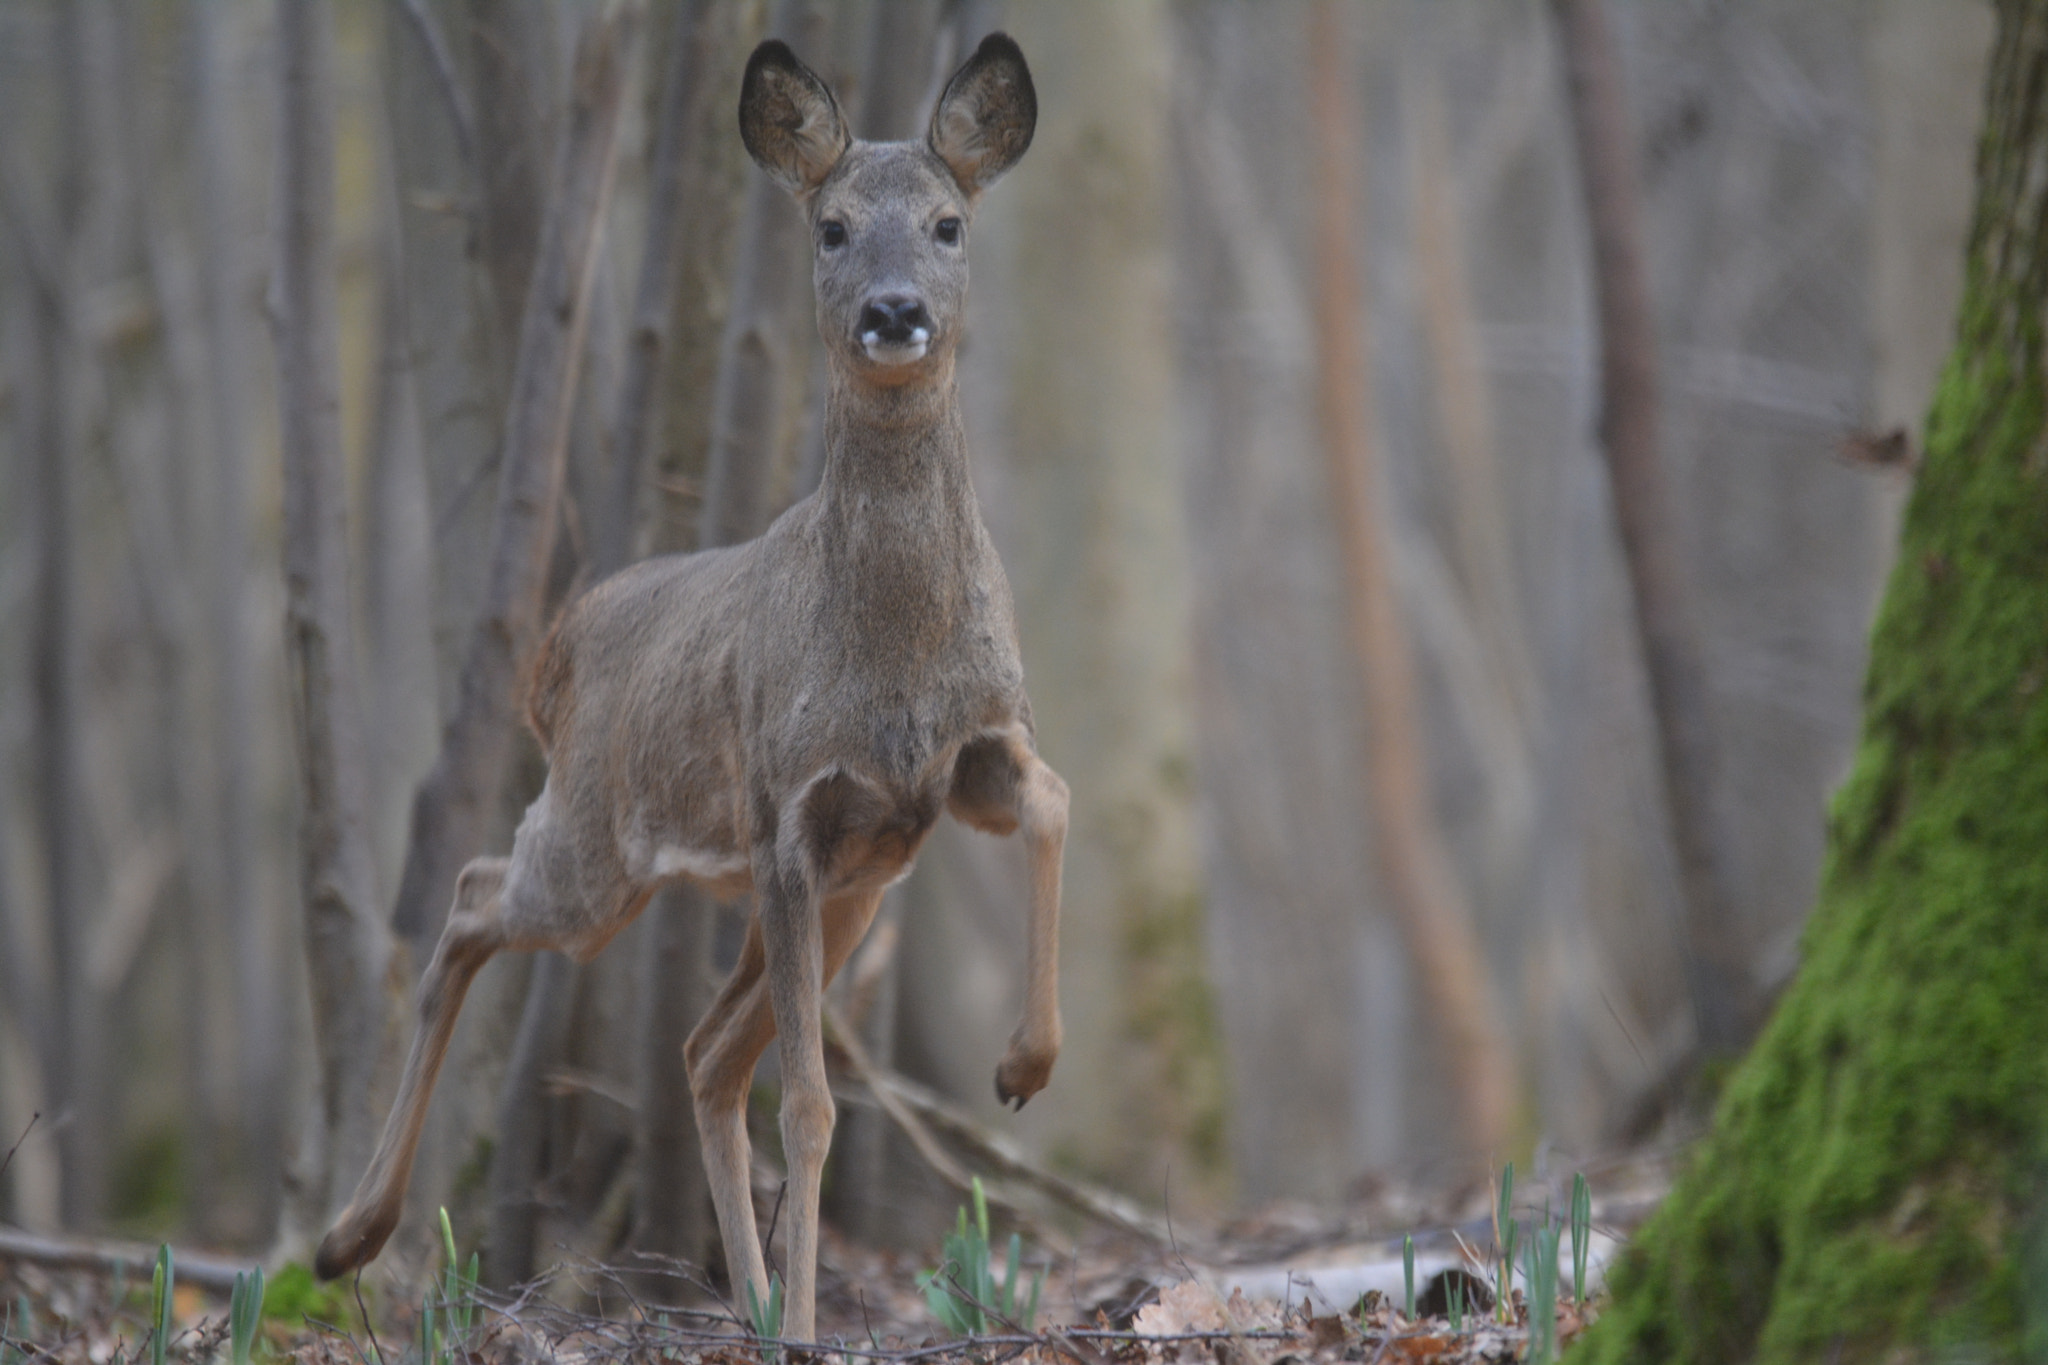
x=1022 y=1075
x=352 y=1244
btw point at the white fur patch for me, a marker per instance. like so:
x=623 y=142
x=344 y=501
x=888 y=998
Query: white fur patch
x=698 y=863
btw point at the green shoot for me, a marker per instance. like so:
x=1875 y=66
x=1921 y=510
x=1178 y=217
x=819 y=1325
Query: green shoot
x=962 y=1292
x=245 y=1314
x=1582 y=1235
x=429 y=1338
x=457 y=1303
x=1543 y=1295
x=766 y=1318
x=1504 y=1278
x=161 y=1292
x=1504 y=1232
x=1408 y=1277
x=1455 y=1290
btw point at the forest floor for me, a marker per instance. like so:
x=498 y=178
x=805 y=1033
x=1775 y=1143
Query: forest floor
x=1287 y=1284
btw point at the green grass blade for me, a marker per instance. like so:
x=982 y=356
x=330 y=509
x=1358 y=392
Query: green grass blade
x=162 y=1290
x=1582 y=1234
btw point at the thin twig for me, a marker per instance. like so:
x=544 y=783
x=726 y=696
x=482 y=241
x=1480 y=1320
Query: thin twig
x=9 y=1161
x=451 y=89
x=356 y=1283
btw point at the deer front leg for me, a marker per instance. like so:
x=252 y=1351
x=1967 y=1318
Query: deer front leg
x=721 y=1054
x=473 y=934
x=792 y=936
x=1000 y=785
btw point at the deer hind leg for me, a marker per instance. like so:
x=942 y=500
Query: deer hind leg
x=1000 y=786
x=473 y=934
x=721 y=1054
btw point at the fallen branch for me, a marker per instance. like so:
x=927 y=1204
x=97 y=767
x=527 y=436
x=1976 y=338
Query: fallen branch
x=909 y=1103
x=215 y=1273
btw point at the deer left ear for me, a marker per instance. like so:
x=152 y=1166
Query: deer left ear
x=984 y=121
x=788 y=119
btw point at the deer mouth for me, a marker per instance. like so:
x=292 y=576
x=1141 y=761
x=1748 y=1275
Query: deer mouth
x=896 y=346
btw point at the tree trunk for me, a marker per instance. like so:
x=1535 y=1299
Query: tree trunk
x=1666 y=617
x=654 y=299
x=452 y=811
x=454 y=804
x=347 y=946
x=1426 y=894
x=226 y=287
x=1874 y=1186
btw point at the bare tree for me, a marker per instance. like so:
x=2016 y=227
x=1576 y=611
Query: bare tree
x=226 y=287
x=1662 y=596
x=454 y=804
x=348 y=948
x=1428 y=898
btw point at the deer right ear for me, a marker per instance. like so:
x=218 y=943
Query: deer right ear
x=788 y=119
x=984 y=121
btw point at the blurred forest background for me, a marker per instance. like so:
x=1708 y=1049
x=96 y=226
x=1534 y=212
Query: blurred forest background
x=1374 y=866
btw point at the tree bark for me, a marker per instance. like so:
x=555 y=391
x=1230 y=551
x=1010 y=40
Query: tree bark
x=1428 y=900
x=654 y=299
x=1873 y=1187
x=348 y=948
x=454 y=803
x=226 y=290
x=1666 y=617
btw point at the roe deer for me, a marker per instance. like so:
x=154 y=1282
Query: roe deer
x=788 y=717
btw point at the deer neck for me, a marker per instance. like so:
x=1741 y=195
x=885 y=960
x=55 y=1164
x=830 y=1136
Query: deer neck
x=898 y=521
x=896 y=450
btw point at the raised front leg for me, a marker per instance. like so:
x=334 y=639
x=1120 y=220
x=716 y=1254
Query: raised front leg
x=1001 y=785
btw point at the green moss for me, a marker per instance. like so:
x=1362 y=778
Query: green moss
x=148 y=1188
x=1867 y=1189
x=292 y=1294
x=1171 y=1012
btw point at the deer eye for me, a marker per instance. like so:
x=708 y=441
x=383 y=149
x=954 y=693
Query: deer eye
x=948 y=231
x=831 y=233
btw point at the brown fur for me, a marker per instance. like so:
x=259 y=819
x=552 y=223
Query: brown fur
x=788 y=718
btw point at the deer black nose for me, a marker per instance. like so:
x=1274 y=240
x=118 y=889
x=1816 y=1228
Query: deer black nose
x=894 y=319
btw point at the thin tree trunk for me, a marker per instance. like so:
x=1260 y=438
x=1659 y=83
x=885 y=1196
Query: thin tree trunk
x=512 y=63
x=1426 y=895
x=452 y=810
x=453 y=806
x=763 y=356
x=654 y=300
x=1666 y=617
x=72 y=1067
x=347 y=946
x=225 y=288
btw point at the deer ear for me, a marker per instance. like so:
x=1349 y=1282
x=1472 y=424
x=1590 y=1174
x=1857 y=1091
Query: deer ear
x=984 y=120
x=788 y=119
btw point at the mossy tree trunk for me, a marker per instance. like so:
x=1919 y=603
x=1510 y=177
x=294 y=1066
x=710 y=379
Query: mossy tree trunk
x=1875 y=1186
